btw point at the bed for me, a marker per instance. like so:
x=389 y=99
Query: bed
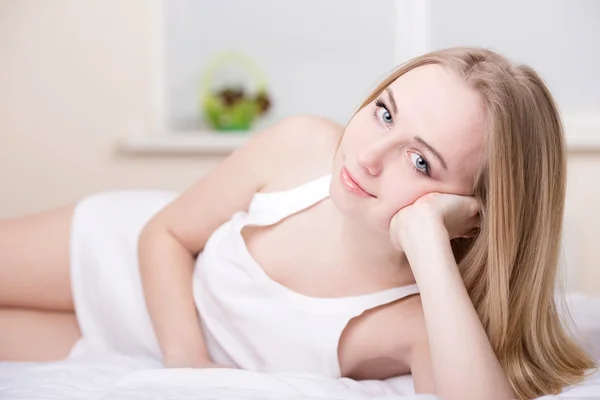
x=117 y=377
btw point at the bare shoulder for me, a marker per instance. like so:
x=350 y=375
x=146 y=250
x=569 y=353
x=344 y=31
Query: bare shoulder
x=304 y=130
x=306 y=146
x=407 y=318
x=286 y=153
x=399 y=328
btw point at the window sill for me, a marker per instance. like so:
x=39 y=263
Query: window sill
x=190 y=143
x=582 y=132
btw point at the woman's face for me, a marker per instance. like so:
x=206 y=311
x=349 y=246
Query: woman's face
x=423 y=134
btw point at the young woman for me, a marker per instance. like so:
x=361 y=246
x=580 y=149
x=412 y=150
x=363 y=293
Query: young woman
x=420 y=238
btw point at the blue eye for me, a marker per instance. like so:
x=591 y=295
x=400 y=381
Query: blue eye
x=382 y=113
x=420 y=164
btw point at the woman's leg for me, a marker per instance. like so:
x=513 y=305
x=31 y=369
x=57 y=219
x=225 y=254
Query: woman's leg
x=34 y=261
x=32 y=335
x=35 y=286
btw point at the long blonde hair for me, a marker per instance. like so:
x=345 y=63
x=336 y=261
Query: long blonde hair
x=510 y=268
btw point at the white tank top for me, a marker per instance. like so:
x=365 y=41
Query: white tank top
x=251 y=321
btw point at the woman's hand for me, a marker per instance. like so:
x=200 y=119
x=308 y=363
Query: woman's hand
x=433 y=217
x=209 y=364
x=201 y=363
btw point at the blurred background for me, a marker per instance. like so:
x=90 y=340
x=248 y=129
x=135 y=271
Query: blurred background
x=109 y=94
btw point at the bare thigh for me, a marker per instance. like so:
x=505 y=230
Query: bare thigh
x=34 y=261
x=32 y=335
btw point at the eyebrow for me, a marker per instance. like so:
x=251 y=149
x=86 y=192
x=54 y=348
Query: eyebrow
x=392 y=100
x=433 y=151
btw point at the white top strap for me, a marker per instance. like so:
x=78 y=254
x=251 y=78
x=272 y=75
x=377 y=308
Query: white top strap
x=369 y=301
x=271 y=207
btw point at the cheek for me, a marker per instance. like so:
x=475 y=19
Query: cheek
x=351 y=139
x=399 y=195
x=358 y=131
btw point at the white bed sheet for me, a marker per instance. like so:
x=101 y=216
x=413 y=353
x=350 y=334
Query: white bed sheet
x=116 y=377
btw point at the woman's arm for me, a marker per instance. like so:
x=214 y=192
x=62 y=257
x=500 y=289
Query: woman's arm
x=170 y=242
x=166 y=268
x=462 y=362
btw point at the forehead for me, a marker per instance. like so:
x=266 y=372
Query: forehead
x=436 y=104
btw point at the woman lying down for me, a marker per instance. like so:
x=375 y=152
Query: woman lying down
x=421 y=238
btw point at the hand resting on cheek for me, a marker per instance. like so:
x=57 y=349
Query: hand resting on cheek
x=432 y=216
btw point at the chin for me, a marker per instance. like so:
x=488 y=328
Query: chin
x=348 y=205
x=342 y=200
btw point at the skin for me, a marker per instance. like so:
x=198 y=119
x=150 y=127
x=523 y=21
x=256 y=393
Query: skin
x=356 y=244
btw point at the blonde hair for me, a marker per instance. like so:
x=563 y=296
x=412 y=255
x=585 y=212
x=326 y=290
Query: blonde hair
x=510 y=268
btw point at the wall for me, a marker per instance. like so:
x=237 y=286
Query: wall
x=303 y=50
x=559 y=38
x=77 y=76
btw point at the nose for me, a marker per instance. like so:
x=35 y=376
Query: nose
x=372 y=157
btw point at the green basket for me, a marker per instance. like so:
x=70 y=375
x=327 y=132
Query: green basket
x=229 y=110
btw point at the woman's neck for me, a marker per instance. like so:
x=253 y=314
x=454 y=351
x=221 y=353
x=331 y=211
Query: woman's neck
x=366 y=248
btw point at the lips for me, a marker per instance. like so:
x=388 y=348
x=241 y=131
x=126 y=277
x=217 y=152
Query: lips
x=350 y=183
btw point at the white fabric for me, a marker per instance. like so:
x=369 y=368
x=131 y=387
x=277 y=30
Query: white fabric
x=116 y=377
x=259 y=325
x=107 y=291
x=249 y=320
